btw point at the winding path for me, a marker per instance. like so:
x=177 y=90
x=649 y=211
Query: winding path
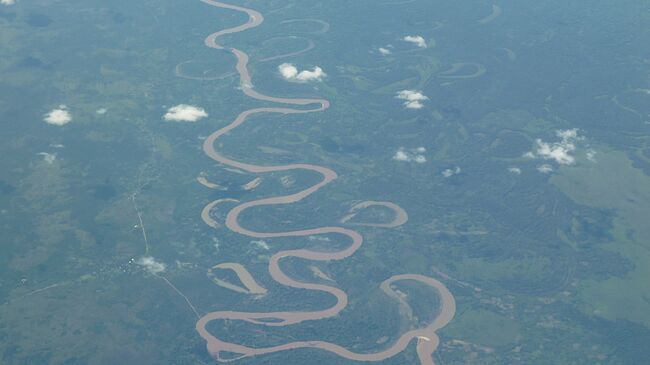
x=452 y=73
x=427 y=340
x=400 y=214
x=250 y=285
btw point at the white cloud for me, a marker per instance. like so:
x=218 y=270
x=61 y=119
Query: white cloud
x=562 y=151
x=515 y=170
x=451 y=172
x=385 y=51
x=545 y=168
x=420 y=159
x=261 y=244
x=412 y=155
x=567 y=134
x=414 y=105
x=291 y=73
x=151 y=264
x=413 y=99
x=102 y=111
x=401 y=155
x=417 y=40
x=591 y=155
x=185 y=113
x=48 y=157
x=59 y=116
x=7 y=2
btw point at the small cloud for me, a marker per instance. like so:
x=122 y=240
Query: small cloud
x=545 y=168
x=413 y=99
x=48 y=157
x=515 y=170
x=562 y=151
x=291 y=73
x=59 y=116
x=591 y=155
x=420 y=159
x=261 y=244
x=450 y=172
x=559 y=152
x=567 y=134
x=412 y=155
x=7 y=2
x=102 y=111
x=414 y=105
x=385 y=51
x=185 y=113
x=417 y=40
x=400 y=155
x=151 y=264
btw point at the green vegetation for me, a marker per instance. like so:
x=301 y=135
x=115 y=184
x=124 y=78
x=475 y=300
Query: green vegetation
x=614 y=184
x=545 y=268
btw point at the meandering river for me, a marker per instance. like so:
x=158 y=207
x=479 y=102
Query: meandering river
x=427 y=340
